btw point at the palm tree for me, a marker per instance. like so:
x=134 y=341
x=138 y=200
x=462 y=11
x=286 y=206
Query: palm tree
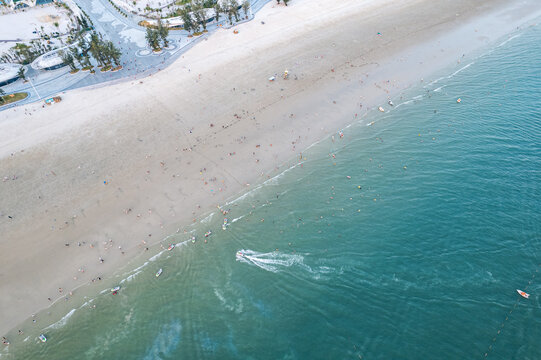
x=21 y=74
x=246 y=7
x=68 y=59
x=285 y=2
x=96 y=48
x=217 y=11
x=76 y=55
x=187 y=19
x=230 y=16
x=163 y=32
x=152 y=37
x=200 y=14
x=234 y=8
x=114 y=53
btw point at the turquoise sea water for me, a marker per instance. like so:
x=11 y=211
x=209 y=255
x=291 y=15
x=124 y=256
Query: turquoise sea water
x=420 y=262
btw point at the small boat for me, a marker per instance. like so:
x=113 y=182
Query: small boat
x=193 y=239
x=171 y=247
x=240 y=253
x=115 y=289
x=390 y=103
x=224 y=226
x=159 y=272
x=523 y=294
x=208 y=233
x=381 y=109
x=42 y=338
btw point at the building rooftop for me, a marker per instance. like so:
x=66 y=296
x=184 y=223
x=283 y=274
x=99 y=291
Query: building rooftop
x=8 y=71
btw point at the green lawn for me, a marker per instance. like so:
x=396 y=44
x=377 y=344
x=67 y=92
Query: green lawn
x=11 y=98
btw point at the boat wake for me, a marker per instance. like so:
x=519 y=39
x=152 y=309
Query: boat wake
x=271 y=261
x=276 y=261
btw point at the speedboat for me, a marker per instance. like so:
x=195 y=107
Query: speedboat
x=523 y=294
x=159 y=272
x=208 y=233
x=115 y=289
x=240 y=253
x=42 y=338
x=171 y=247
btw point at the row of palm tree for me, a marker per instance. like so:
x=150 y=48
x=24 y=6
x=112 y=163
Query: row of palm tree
x=195 y=16
x=103 y=51
x=25 y=53
x=231 y=9
x=156 y=36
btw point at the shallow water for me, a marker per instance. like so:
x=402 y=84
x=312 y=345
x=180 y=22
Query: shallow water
x=416 y=255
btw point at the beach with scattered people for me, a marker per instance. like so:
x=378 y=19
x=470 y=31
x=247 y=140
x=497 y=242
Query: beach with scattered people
x=103 y=177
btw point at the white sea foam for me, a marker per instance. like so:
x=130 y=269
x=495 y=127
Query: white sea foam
x=208 y=218
x=404 y=103
x=272 y=261
x=438 y=89
x=165 y=342
x=453 y=74
x=237 y=219
x=236 y=308
x=131 y=277
x=154 y=257
x=62 y=321
x=507 y=40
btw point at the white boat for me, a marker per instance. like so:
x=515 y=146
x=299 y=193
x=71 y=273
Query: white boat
x=193 y=239
x=208 y=233
x=115 y=289
x=171 y=247
x=523 y=294
x=159 y=272
x=42 y=338
x=224 y=226
x=240 y=253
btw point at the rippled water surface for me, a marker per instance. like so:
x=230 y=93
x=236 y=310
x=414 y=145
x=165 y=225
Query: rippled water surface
x=408 y=244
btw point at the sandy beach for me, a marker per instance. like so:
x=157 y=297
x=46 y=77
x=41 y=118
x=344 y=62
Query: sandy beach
x=91 y=182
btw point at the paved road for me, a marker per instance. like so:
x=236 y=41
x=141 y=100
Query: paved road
x=137 y=58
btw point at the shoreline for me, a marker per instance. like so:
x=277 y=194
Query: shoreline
x=115 y=222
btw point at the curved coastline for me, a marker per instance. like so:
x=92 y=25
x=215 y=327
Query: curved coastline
x=331 y=128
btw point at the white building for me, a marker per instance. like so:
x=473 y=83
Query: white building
x=19 y=4
x=9 y=73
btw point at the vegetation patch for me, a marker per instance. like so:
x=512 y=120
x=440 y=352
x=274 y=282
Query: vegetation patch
x=87 y=68
x=157 y=37
x=119 y=67
x=74 y=71
x=11 y=98
x=106 y=68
